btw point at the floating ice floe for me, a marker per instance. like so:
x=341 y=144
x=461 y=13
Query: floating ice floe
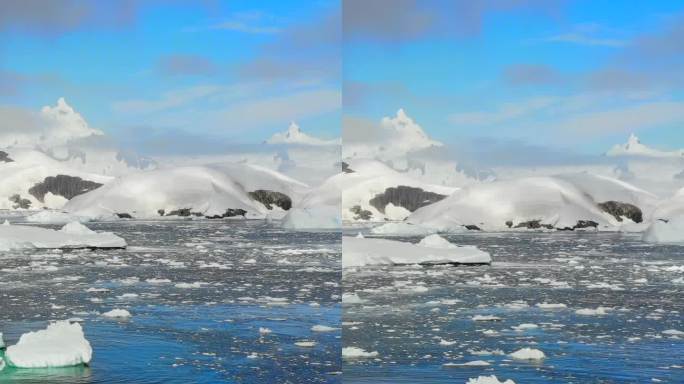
x=117 y=314
x=323 y=328
x=61 y=344
x=528 y=354
x=433 y=249
x=599 y=311
x=488 y=380
x=486 y=318
x=469 y=364
x=671 y=231
x=351 y=353
x=546 y=305
x=55 y=217
x=73 y=235
x=305 y=343
x=402 y=229
x=669 y=332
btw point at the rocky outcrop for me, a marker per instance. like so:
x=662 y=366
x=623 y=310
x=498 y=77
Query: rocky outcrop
x=361 y=214
x=533 y=224
x=269 y=198
x=183 y=212
x=619 y=210
x=19 y=202
x=124 y=215
x=407 y=197
x=346 y=169
x=4 y=157
x=229 y=213
x=472 y=227
x=62 y=185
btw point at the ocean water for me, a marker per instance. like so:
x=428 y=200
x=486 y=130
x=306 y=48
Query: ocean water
x=421 y=322
x=199 y=291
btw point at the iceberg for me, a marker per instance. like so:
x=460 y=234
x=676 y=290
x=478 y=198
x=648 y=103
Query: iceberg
x=61 y=344
x=669 y=232
x=359 y=252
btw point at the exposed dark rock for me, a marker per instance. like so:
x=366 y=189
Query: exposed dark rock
x=183 y=212
x=4 y=157
x=472 y=227
x=533 y=224
x=160 y=212
x=407 y=197
x=585 y=224
x=346 y=169
x=619 y=210
x=267 y=198
x=19 y=202
x=361 y=214
x=230 y=212
x=123 y=215
x=62 y=185
x=509 y=224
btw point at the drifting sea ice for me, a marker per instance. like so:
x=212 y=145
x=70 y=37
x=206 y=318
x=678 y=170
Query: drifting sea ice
x=357 y=353
x=73 y=235
x=488 y=380
x=61 y=344
x=117 y=314
x=528 y=354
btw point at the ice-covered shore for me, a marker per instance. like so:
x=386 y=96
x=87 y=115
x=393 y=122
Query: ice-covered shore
x=72 y=236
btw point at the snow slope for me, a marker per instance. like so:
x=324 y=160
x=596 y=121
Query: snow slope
x=560 y=202
x=369 y=178
x=318 y=209
x=359 y=251
x=72 y=236
x=202 y=190
x=61 y=344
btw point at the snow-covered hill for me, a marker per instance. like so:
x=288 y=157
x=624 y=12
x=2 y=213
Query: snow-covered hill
x=561 y=202
x=215 y=191
x=372 y=191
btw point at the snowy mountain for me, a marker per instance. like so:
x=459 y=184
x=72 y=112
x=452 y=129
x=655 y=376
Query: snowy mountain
x=634 y=147
x=319 y=208
x=396 y=137
x=372 y=191
x=294 y=135
x=561 y=202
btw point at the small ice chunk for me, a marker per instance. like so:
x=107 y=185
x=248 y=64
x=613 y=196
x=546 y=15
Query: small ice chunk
x=528 y=354
x=488 y=380
x=351 y=353
x=323 y=328
x=305 y=343
x=117 y=314
x=599 y=311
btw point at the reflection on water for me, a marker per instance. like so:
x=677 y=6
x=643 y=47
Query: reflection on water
x=199 y=292
x=420 y=320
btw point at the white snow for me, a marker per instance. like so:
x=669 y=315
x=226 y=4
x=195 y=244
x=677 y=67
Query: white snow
x=671 y=231
x=351 y=353
x=488 y=380
x=61 y=344
x=401 y=229
x=117 y=313
x=317 y=209
x=360 y=252
x=72 y=236
x=528 y=354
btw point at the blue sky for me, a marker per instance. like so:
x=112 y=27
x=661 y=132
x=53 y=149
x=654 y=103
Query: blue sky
x=574 y=76
x=207 y=72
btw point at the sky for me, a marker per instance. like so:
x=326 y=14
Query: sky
x=176 y=76
x=571 y=77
